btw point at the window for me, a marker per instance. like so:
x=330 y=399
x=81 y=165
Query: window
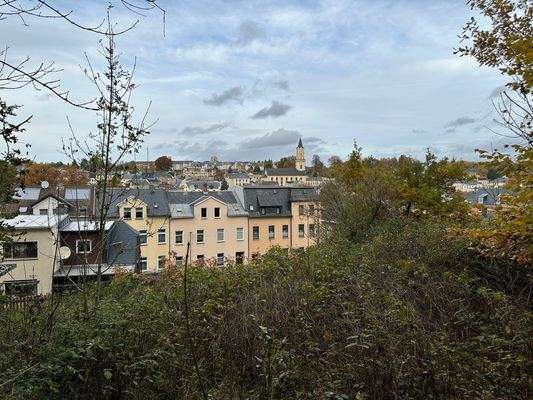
x=278 y=210
x=200 y=259
x=139 y=212
x=43 y=211
x=240 y=233
x=301 y=209
x=311 y=230
x=178 y=237
x=161 y=236
x=84 y=246
x=143 y=264
x=217 y=212
x=82 y=211
x=220 y=235
x=161 y=262
x=239 y=257
x=263 y=210
x=271 y=232
x=203 y=212
x=220 y=259
x=255 y=233
x=127 y=213
x=311 y=209
x=179 y=261
x=21 y=288
x=143 y=237
x=285 y=231
x=20 y=250
x=199 y=236
x=301 y=230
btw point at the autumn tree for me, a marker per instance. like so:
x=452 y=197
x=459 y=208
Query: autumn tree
x=503 y=38
x=71 y=175
x=317 y=166
x=35 y=173
x=163 y=163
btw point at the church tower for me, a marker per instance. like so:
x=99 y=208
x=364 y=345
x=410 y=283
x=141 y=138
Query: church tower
x=300 y=157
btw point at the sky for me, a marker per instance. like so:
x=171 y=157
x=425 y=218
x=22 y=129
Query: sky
x=244 y=80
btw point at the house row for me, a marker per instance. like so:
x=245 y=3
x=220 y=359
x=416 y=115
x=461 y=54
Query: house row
x=58 y=242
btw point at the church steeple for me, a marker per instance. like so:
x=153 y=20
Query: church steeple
x=300 y=156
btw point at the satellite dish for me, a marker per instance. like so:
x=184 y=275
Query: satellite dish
x=64 y=252
x=45 y=184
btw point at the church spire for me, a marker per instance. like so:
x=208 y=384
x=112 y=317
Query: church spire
x=300 y=143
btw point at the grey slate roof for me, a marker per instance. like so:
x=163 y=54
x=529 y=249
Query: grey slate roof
x=303 y=194
x=122 y=245
x=269 y=198
x=156 y=200
x=284 y=172
x=238 y=175
x=487 y=197
x=182 y=203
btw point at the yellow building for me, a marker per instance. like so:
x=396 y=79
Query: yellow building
x=29 y=262
x=146 y=211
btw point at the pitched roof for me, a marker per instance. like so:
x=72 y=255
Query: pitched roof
x=300 y=143
x=269 y=198
x=155 y=199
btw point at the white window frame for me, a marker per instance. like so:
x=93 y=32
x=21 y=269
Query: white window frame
x=223 y=235
x=124 y=213
x=78 y=241
x=301 y=233
x=258 y=232
x=159 y=232
x=241 y=238
x=142 y=213
x=223 y=258
x=202 y=211
x=203 y=236
x=145 y=260
x=215 y=212
x=285 y=232
x=272 y=233
x=159 y=259
x=143 y=233
x=175 y=237
x=178 y=261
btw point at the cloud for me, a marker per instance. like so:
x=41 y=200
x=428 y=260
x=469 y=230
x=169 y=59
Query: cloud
x=248 y=32
x=419 y=131
x=497 y=91
x=199 y=130
x=275 y=110
x=281 y=137
x=281 y=84
x=461 y=121
x=234 y=94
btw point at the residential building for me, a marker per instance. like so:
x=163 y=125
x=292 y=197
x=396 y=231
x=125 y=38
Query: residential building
x=86 y=253
x=146 y=211
x=289 y=176
x=238 y=179
x=214 y=224
x=29 y=262
x=200 y=185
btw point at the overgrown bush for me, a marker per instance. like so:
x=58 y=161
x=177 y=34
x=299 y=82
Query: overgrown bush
x=398 y=316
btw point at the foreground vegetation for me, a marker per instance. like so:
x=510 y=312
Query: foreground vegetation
x=403 y=314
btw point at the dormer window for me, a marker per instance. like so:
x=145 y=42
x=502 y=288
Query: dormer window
x=127 y=213
x=139 y=213
x=263 y=210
